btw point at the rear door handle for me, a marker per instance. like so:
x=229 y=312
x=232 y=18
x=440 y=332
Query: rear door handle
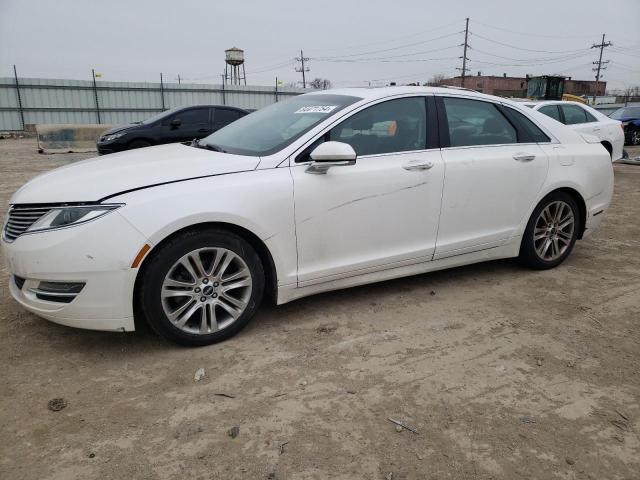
x=524 y=157
x=418 y=165
x=596 y=129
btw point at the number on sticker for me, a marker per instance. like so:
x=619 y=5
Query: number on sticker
x=316 y=109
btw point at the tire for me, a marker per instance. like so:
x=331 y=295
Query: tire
x=634 y=137
x=547 y=240
x=190 y=302
x=138 y=144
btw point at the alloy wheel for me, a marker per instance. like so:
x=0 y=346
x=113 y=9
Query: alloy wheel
x=553 y=231
x=206 y=290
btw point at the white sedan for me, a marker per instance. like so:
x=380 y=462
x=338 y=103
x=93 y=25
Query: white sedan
x=324 y=191
x=585 y=119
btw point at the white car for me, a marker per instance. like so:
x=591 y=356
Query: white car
x=324 y=191
x=585 y=119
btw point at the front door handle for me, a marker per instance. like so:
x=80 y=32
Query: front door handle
x=596 y=129
x=418 y=165
x=524 y=157
x=203 y=130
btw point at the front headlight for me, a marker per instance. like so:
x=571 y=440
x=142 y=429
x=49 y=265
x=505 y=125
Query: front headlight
x=113 y=136
x=72 y=215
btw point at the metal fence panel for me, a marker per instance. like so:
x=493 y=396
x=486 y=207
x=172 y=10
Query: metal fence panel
x=46 y=100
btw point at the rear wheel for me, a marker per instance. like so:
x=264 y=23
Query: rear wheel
x=551 y=232
x=202 y=287
x=634 y=137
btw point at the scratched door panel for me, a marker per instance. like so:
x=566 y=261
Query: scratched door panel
x=372 y=214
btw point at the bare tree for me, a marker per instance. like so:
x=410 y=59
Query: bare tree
x=436 y=80
x=320 y=83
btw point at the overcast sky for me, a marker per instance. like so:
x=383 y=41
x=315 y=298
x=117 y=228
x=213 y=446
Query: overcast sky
x=349 y=42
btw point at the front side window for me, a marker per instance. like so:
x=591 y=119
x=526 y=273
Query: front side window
x=272 y=128
x=193 y=116
x=474 y=122
x=573 y=114
x=551 y=111
x=392 y=126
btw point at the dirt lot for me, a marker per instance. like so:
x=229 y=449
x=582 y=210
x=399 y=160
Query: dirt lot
x=505 y=373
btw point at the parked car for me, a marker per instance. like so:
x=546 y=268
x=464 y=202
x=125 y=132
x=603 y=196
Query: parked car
x=585 y=119
x=630 y=118
x=324 y=191
x=176 y=125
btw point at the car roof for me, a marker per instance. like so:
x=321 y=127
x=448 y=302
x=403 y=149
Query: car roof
x=374 y=93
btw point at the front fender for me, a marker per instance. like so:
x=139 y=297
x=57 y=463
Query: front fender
x=260 y=201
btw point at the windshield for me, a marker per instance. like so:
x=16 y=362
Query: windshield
x=626 y=112
x=272 y=128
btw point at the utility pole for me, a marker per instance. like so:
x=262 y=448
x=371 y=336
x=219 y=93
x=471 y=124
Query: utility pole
x=464 y=53
x=599 y=64
x=179 y=79
x=302 y=68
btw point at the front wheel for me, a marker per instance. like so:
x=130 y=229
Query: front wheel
x=551 y=232
x=202 y=287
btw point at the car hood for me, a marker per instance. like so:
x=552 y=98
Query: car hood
x=97 y=178
x=120 y=128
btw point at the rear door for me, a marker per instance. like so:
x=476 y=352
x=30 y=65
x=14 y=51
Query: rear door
x=581 y=120
x=186 y=125
x=494 y=172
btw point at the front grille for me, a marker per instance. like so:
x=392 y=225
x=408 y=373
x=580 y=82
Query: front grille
x=20 y=218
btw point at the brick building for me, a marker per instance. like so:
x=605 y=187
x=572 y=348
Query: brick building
x=505 y=86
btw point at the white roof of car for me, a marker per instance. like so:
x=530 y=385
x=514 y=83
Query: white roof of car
x=372 y=93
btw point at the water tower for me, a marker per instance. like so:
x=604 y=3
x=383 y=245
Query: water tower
x=234 y=66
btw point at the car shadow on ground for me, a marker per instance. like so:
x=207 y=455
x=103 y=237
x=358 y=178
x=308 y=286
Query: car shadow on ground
x=144 y=340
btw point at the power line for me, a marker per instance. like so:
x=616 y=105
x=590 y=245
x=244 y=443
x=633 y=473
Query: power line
x=529 y=34
x=348 y=47
x=599 y=64
x=302 y=68
x=526 y=49
x=389 y=49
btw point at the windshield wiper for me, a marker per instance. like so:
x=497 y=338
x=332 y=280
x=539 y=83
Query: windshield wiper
x=208 y=146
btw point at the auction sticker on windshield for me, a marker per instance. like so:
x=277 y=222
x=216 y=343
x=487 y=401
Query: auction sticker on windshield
x=317 y=109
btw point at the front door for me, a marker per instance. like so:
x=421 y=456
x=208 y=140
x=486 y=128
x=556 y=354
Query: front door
x=379 y=213
x=494 y=172
x=186 y=125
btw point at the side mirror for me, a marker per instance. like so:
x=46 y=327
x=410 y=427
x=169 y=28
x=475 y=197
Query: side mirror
x=175 y=123
x=331 y=154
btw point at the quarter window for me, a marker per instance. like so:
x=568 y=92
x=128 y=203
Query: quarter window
x=529 y=131
x=474 y=122
x=573 y=114
x=392 y=126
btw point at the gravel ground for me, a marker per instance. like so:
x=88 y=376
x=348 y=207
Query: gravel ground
x=505 y=373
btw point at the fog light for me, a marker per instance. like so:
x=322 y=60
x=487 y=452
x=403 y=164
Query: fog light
x=61 y=292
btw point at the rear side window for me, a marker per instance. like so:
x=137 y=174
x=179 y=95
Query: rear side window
x=551 y=111
x=574 y=114
x=224 y=116
x=474 y=122
x=392 y=126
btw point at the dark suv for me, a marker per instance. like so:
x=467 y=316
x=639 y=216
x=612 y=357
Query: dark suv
x=177 y=125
